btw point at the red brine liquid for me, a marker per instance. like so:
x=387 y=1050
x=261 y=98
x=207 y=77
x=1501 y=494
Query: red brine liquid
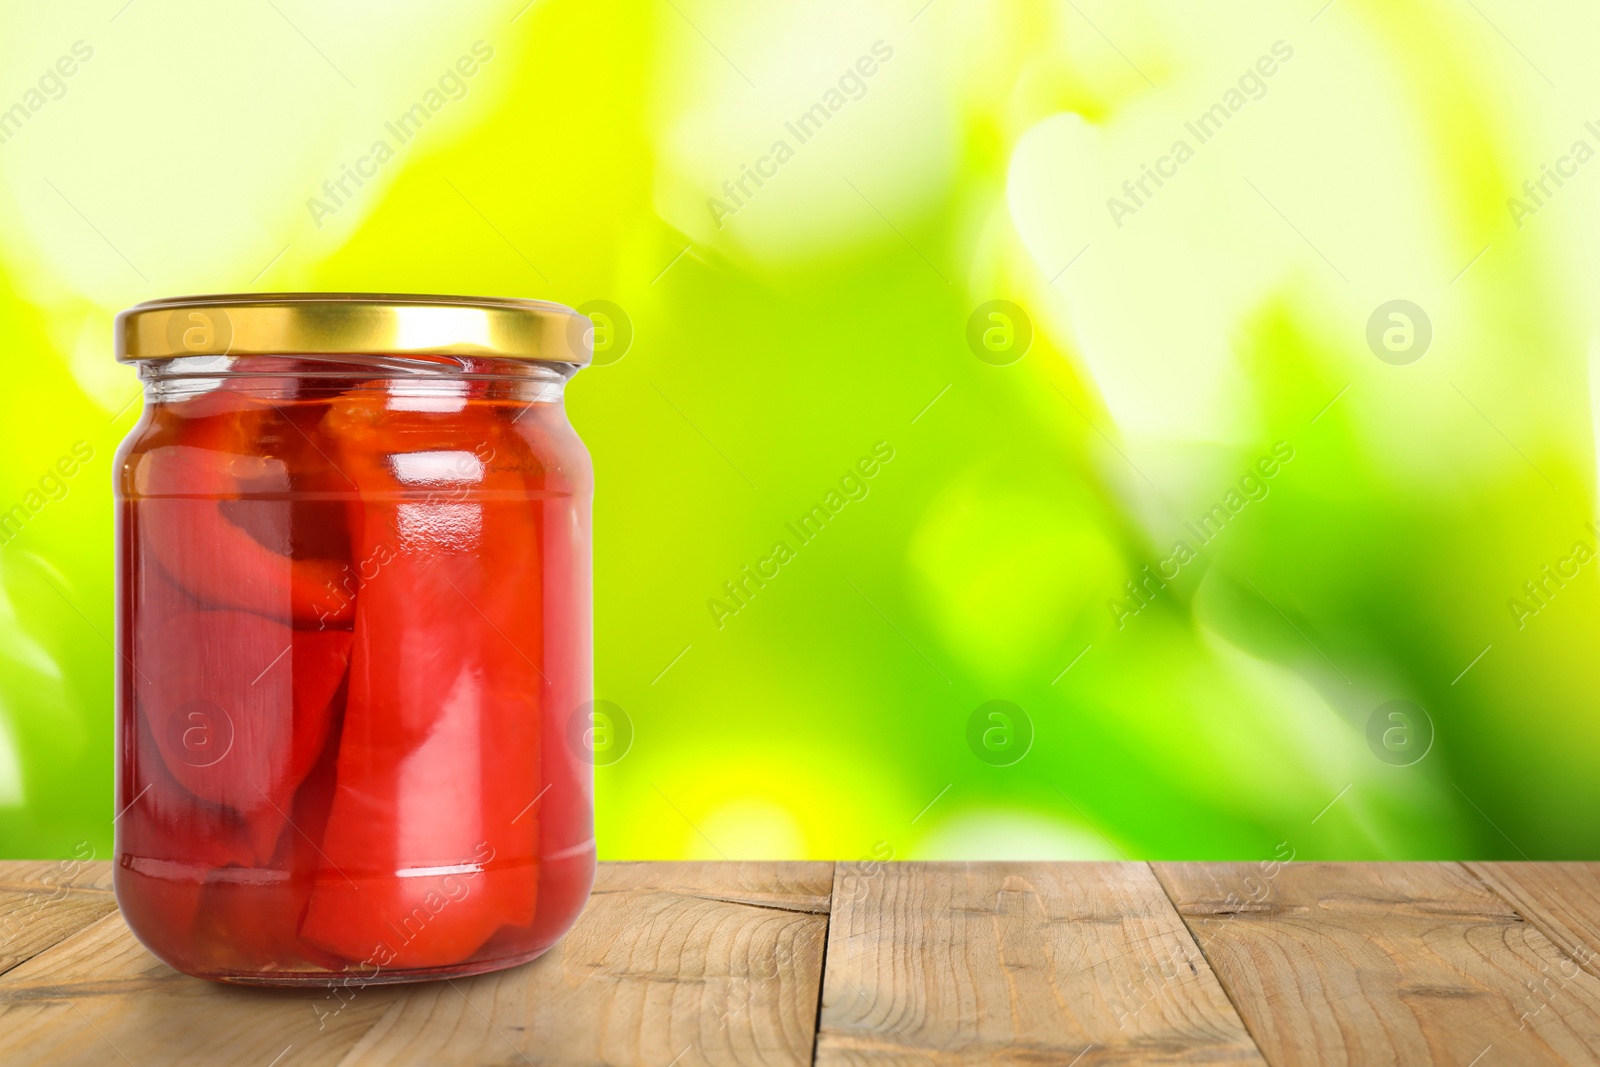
x=353 y=626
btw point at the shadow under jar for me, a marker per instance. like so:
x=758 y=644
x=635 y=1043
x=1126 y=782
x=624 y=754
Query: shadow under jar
x=354 y=623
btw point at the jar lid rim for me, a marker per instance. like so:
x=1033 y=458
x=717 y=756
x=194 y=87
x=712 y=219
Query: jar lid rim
x=246 y=324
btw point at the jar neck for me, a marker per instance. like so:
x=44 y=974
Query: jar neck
x=285 y=377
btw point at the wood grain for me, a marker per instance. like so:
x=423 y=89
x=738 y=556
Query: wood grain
x=99 y=998
x=1373 y=963
x=1026 y=963
x=709 y=963
x=1561 y=899
x=43 y=903
x=681 y=963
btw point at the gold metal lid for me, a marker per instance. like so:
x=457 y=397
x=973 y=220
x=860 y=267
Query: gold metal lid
x=377 y=324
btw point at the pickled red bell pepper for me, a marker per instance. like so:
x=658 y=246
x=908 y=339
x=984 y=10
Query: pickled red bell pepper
x=239 y=706
x=178 y=838
x=249 y=916
x=233 y=707
x=208 y=736
x=208 y=517
x=432 y=838
x=174 y=847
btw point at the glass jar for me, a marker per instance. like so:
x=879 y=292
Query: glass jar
x=354 y=623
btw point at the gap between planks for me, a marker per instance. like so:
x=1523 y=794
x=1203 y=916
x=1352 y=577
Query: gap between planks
x=1419 y=962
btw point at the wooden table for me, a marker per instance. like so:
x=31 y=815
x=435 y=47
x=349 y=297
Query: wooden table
x=792 y=963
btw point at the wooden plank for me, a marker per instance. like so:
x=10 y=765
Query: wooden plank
x=43 y=903
x=714 y=963
x=100 y=998
x=1380 y=963
x=681 y=963
x=1561 y=899
x=988 y=963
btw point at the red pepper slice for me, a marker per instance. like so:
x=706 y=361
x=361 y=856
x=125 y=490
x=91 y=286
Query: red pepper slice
x=239 y=706
x=226 y=549
x=556 y=479
x=218 y=741
x=249 y=920
x=171 y=841
x=163 y=820
x=432 y=840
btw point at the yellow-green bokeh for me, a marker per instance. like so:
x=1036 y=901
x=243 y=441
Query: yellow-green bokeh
x=1190 y=329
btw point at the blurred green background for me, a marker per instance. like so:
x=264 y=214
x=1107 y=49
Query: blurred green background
x=1362 y=613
